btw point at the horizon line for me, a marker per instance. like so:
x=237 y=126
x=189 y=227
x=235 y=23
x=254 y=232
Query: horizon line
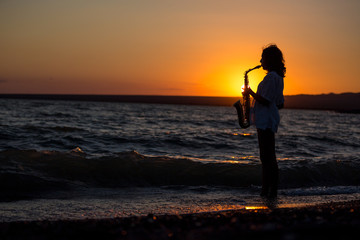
x=158 y=95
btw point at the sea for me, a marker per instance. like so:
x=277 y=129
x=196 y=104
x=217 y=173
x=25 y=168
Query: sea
x=88 y=159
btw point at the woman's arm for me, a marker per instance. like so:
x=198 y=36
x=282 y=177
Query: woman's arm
x=256 y=96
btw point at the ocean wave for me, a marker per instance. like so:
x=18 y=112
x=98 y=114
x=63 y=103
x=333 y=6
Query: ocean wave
x=28 y=172
x=338 y=141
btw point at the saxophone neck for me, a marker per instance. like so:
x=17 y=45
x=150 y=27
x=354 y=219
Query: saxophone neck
x=258 y=66
x=246 y=82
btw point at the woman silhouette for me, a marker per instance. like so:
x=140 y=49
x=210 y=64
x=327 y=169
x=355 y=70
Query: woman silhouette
x=268 y=99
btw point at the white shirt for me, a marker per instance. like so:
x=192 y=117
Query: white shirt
x=271 y=88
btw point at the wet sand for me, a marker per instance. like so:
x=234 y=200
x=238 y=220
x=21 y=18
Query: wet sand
x=333 y=220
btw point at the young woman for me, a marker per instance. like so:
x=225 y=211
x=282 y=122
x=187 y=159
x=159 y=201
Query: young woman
x=268 y=99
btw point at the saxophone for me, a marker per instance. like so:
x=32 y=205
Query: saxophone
x=243 y=109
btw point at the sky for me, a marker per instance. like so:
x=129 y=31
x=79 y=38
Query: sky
x=175 y=47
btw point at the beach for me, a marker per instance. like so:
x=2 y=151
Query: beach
x=339 y=220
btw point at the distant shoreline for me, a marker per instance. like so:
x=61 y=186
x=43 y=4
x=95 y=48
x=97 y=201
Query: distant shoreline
x=344 y=102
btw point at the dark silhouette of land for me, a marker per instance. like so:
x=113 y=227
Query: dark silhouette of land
x=344 y=102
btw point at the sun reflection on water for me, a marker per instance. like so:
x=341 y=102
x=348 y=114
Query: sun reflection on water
x=255 y=207
x=242 y=134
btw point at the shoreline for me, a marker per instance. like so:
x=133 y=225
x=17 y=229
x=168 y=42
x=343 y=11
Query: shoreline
x=331 y=220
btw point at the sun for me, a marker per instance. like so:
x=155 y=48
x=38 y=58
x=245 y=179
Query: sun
x=235 y=81
x=227 y=79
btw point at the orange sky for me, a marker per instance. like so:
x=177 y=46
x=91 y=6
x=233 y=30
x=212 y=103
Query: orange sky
x=178 y=47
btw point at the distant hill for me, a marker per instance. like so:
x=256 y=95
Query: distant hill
x=345 y=102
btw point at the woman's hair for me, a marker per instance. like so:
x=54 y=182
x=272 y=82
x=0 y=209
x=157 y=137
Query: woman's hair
x=274 y=59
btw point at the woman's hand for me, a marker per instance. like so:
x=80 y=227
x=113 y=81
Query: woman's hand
x=246 y=90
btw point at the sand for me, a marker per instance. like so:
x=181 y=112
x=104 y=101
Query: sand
x=326 y=221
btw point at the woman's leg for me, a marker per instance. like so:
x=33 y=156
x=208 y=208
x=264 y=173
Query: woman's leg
x=270 y=170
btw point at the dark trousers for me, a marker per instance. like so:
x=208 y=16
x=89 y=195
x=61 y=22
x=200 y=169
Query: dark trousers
x=270 y=171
